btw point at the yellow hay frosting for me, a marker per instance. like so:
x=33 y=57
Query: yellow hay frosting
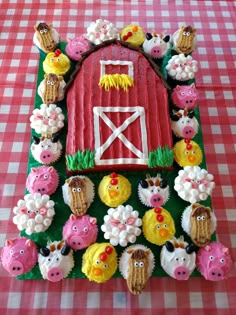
x=57 y=63
x=158 y=226
x=187 y=153
x=99 y=262
x=133 y=34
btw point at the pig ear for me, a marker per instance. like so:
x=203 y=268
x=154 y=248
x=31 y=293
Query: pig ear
x=178 y=87
x=73 y=217
x=34 y=169
x=225 y=250
x=170 y=247
x=207 y=248
x=9 y=242
x=50 y=169
x=69 y=40
x=29 y=243
x=93 y=220
x=193 y=86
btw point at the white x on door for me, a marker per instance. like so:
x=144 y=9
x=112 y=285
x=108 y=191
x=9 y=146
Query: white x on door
x=136 y=113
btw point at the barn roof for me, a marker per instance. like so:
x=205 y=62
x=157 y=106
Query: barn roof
x=85 y=55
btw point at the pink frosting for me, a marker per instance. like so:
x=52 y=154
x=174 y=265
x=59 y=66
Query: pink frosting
x=80 y=232
x=19 y=255
x=43 y=179
x=76 y=47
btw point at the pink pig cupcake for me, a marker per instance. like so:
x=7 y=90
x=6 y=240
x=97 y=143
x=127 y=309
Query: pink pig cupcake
x=76 y=47
x=43 y=179
x=80 y=231
x=19 y=255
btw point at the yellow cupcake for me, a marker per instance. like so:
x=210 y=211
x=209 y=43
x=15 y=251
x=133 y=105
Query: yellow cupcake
x=158 y=226
x=133 y=34
x=57 y=63
x=187 y=153
x=99 y=262
x=114 y=189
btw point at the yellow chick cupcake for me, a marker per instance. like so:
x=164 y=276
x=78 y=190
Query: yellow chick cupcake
x=158 y=226
x=187 y=153
x=114 y=189
x=99 y=262
x=133 y=34
x=57 y=63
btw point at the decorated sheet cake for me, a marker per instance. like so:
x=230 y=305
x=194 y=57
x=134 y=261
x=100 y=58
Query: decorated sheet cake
x=117 y=182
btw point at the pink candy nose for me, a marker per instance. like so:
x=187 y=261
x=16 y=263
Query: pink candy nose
x=181 y=273
x=76 y=242
x=215 y=274
x=156 y=200
x=55 y=274
x=188 y=132
x=16 y=268
x=156 y=52
x=46 y=156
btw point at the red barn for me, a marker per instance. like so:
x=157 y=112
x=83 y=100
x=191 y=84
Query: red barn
x=118 y=113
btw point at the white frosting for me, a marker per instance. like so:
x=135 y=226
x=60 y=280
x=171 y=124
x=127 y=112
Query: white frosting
x=137 y=112
x=182 y=68
x=100 y=31
x=194 y=184
x=124 y=260
x=47 y=120
x=55 y=260
x=186 y=220
x=34 y=214
x=178 y=258
x=184 y=122
x=46 y=144
x=41 y=89
x=121 y=225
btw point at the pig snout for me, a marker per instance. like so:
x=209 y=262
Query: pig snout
x=42 y=189
x=215 y=274
x=156 y=51
x=181 y=273
x=188 y=132
x=55 y=274
x=76 y=242
x=16 y=268
x=156 y=200
x=46 y=156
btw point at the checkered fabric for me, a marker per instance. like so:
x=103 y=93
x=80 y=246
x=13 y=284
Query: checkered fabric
x=216 y=81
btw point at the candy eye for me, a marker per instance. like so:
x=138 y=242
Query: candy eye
x=41 y=31
x=48 y=82
x=141 y=264
x=186 y=152
x=85 y=229
x=97 y=262
x=74 y=189
x=199 y=218
x=109 y=187
x=222 y=260
x=79 y=189
x=193 y=152
x=105 y=266
x=188 y=34
x=136 y=264
x=117 y=187
x=52 y=83
x=182 y=93
x=183 y=259
x=211 y=258
x=11 y=252
x=51 y=59
x=165 y=225
x=190 y=92
x=28 y=211
x=184 y=33
x=45 y=176
x=74 y=228
x=158 y=227
x=203 y=217
x=49 y=259
x=45 y=30
x=176 y=259
x=37 y=176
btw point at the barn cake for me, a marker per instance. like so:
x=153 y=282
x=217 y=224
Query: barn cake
x=112 y=130
x=118 y=112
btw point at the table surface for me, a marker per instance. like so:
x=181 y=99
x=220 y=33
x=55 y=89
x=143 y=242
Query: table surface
x=216 y=81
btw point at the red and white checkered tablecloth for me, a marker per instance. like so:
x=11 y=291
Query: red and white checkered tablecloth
x=216 y=80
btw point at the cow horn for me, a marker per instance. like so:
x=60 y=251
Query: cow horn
x=44 y=251
x=143 y=183
x=169 y=246
x=65 y=250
